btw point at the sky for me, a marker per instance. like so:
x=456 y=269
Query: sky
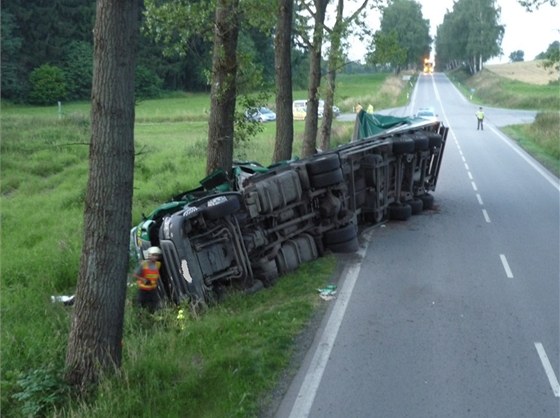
x=531 y=33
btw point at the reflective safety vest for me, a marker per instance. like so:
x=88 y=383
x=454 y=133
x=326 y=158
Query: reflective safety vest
x=149 y=275
x=480 y=115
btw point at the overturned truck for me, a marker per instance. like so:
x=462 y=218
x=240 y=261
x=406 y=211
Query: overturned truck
x=247 y=231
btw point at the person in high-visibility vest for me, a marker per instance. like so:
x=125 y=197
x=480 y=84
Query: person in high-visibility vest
x=147 y=276
x=480 y=119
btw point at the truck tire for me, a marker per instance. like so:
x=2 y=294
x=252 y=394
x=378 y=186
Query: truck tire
x=323 y=164
x=399 y=212
x=350 y=246
x=427 y=201
x=336 y=236
x=416 y=205
x=421 y=142
x=227 y=207
x=266 y=271
x=329 y=178
x=435 y=140
x=403 y=145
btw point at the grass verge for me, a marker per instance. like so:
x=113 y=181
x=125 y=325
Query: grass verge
x=223 y=363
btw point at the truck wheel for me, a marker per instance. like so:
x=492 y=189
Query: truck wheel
x=224 y=208
x=323 y=164
x=435 y=140
x=399 y=212
x=416 y=205
x=403 y=145
x=421 y=142
x=336 y=236
x=327 y=179
x=266 y=271
x=350 y=246
x=427 y=201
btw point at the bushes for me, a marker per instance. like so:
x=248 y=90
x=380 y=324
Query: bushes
x=48 y=85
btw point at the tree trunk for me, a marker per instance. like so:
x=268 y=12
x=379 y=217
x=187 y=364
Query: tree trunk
x=310 y=135
x=223 y=90
x=94 y=344
x=283 y=47
x=334 y=58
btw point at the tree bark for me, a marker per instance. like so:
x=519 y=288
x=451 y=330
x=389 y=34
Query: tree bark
x=309 y=146
x=95 y=341
x=223 y=90
x=283 y=47
x=334 y=58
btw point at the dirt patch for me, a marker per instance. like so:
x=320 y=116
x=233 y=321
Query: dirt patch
x=532 y=72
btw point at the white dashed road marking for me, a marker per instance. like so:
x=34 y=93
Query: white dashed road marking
x=548 y=370
x=509 y=274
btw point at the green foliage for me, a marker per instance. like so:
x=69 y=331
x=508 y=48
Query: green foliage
x=517 y=56
x=387 y=50
x=540 y=139
x=78 y=70
x=148 y=84
x=403 y=20
x=48 y=85
x=13 y=85
x=552 y=56
x=470 y=33
x=40 y=391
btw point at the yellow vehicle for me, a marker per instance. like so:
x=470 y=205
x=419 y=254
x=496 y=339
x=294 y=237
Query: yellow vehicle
x=299 y=109
x=428 y=66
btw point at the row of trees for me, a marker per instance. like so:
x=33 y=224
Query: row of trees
x=201 y=35
x=47 y=51
x=469 y=35
x=403 y=41
x=96 y=330
x=47 y=48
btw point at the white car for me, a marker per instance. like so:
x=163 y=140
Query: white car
x=299 y=109
x=427 y=113
x=261 y=114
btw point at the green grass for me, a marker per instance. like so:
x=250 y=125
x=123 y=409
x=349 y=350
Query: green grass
x=221 y=363
x=493 y=90
x=541 y=139
x=224 y=362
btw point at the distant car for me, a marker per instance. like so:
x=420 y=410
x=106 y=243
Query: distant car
x=299 y=109
x=427 y=113
x=335 y=109
x=260 y=114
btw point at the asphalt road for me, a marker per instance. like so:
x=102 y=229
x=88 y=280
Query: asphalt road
x=455 y=312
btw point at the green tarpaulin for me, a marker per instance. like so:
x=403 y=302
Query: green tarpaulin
x=368 y=125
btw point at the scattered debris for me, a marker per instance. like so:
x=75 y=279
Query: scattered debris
x=328 y=292
x=66 y=300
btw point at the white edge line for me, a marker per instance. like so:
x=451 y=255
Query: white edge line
x=308 y=390
x=509 y=274
x=522 y=154
x=548 y=370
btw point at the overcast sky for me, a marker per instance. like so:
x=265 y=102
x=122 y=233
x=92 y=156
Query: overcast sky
x=530 y=32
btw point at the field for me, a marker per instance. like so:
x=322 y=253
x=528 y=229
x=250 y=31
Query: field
x=531 y=72
x=225 y=362
x=222 y=363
